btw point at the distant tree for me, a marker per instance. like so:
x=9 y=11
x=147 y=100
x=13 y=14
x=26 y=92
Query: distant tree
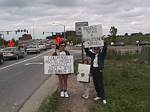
x=126 y=34
x=137 y=34
x=16 y=41
x=113 y=33
x=74 y=39
x=140 y=33
x=1 y=41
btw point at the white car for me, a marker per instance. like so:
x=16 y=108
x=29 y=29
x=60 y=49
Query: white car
x=33 y=49
x=42 y=46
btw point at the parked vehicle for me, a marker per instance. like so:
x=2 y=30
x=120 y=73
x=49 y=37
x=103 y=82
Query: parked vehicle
x=13 y=52
x=33 y=49
x=78 y=45
x=140 y=43
x=117 y=44
x=1 y=58
x=48 y=46
x=42 y=46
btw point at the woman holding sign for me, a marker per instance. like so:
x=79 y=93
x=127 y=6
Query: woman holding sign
x=62 y=77
x=97 y=66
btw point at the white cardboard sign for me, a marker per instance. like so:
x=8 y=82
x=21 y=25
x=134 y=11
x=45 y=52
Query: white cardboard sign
x=83 y=73
x=58 y=64
x=92 y=36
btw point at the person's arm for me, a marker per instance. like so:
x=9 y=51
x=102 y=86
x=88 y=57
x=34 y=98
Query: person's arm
x=54 y=54
x=104 y=50
x=88 y=52
x=102 y=56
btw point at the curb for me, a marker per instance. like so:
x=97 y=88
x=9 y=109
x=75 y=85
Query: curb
x=46 y=89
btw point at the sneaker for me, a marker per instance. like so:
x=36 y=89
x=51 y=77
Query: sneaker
x=66 y=94
x=85 y=96
x=62 y=94
x=104 y=101
x=97 y=98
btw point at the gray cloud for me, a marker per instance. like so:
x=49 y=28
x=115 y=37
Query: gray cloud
x=13 y=3
x=123 y=14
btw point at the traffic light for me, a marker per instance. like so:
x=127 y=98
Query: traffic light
x=43 y=33
x=18 y=30
x=7 y=32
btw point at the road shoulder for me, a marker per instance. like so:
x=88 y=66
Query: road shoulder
x=46 y=89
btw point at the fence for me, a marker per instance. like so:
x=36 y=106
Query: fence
x=145 y=52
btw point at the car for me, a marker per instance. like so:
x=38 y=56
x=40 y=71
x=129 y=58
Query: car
x=78 y=45
x=33 y=49
x=42 y=47
x=48 y=46
x=1 y=58
x=53 y=46
x=13 y=52
x=140 y=43
x=117 y=43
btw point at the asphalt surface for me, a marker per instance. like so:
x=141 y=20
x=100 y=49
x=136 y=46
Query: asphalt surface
x=20 y=78
x=18 y=81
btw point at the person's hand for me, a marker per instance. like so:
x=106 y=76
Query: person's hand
x=103 y=37
x=101 y=70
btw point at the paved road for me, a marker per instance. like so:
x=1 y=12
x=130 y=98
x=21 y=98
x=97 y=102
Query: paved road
x=19 y=79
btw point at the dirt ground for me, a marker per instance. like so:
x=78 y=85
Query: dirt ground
x=75 y=103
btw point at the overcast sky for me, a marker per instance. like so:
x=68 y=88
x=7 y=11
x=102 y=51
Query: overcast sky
x=39 y=15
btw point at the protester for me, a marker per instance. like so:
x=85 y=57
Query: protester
x=97 y=66
x=62 y=77
x=86 y=87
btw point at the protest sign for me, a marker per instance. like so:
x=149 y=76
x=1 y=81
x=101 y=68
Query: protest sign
x=92 y=36
x=83 y=72
x=58 y=64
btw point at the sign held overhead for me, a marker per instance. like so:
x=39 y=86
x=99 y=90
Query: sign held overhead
x=92 y=36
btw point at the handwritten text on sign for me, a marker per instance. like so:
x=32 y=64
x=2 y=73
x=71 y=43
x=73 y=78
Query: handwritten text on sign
x=58 y=64
x=92 y=34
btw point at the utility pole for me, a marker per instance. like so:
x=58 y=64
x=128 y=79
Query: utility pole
x=64 y=26
x=64 y=32
x=3 y=40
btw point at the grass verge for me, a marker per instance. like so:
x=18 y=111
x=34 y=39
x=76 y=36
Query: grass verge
x=126 y=86
x=50 y=104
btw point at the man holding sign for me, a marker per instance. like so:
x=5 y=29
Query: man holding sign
x=92 y=37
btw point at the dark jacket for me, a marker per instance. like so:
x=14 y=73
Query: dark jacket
x=101 y=56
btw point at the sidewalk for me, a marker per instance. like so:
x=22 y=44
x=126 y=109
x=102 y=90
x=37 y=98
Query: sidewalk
x=75 y=103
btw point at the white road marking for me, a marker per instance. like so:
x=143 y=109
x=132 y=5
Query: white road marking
x=34 y=64
x=23 y=61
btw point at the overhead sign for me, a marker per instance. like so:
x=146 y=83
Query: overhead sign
x=92 y=36
x=58 y=64
x=83 y=73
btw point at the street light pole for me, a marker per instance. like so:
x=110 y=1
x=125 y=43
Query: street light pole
x=3 y=41
x=64 y=32
x=64 y=28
